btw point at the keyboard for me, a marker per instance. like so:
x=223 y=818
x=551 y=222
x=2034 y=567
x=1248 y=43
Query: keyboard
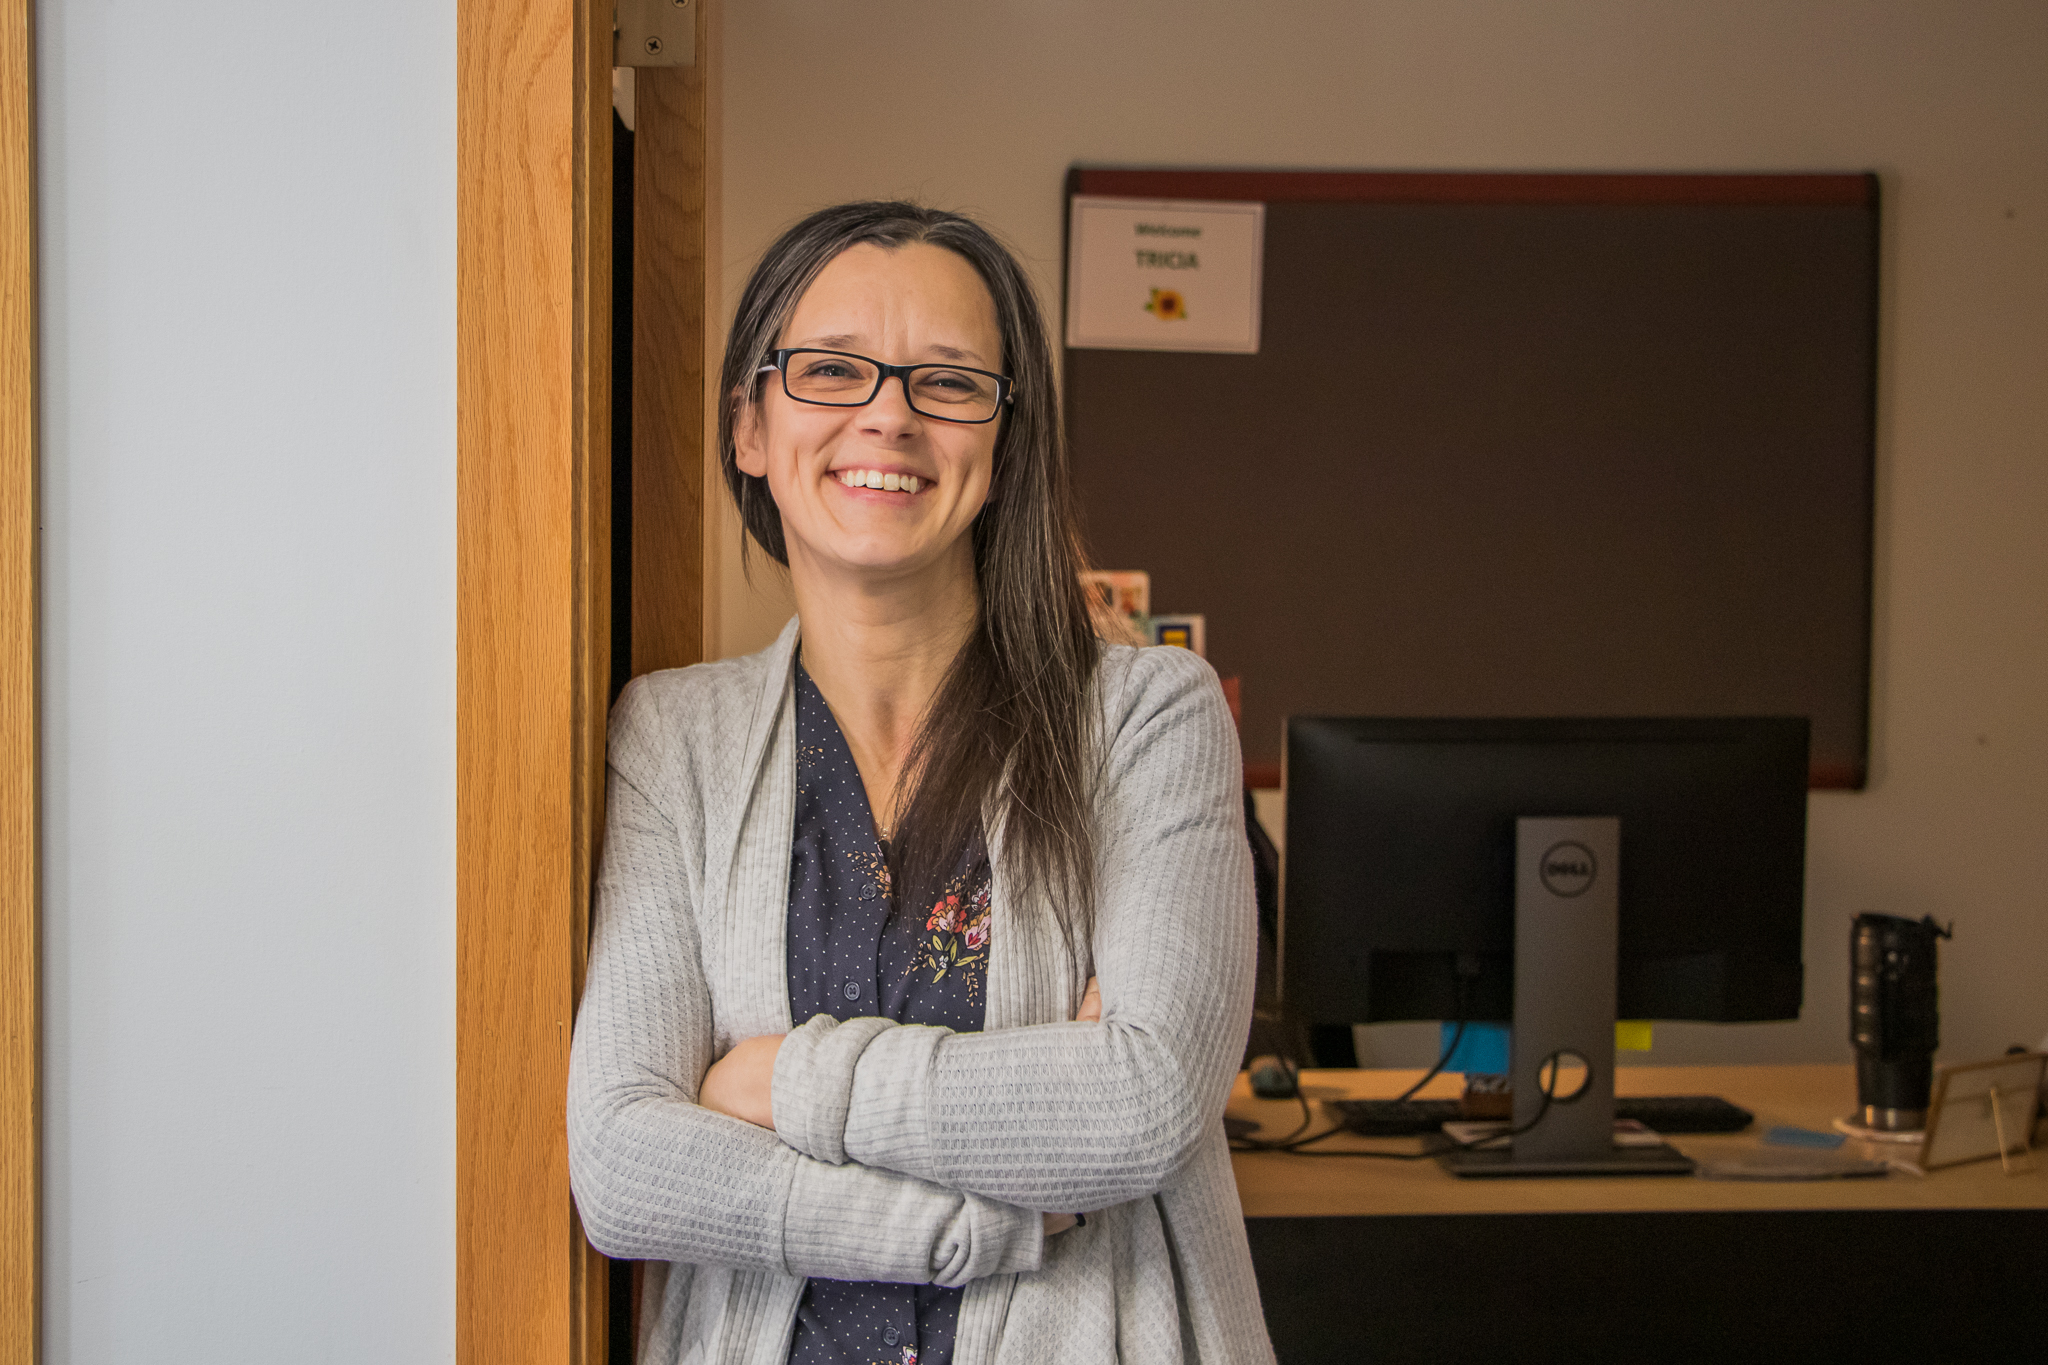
x=1659 y=1113
x=1683 y=1113
x=1396 y=1118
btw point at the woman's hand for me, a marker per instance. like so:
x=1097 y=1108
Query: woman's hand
x=1091 y=1003
x=742 y=1082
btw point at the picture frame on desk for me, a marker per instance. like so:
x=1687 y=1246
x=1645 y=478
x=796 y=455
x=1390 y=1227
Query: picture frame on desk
x=1984 y=1109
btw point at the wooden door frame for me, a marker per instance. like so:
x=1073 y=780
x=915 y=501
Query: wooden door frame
x=533 y=469
x=534 y=422
x=20 y=852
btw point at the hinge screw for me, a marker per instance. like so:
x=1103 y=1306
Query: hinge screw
x=653 y=47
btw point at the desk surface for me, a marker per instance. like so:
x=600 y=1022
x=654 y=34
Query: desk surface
x=1282 y=1185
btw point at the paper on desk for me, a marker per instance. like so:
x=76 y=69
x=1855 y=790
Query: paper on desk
x=1627 y=1132
x=1785 y=1163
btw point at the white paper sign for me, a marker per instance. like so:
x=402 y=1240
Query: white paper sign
x=1177 y=275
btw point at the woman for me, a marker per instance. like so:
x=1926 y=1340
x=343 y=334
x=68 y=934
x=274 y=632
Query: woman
x=841 y=1060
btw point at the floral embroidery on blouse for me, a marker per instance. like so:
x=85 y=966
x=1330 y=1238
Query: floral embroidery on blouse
x=957 y=932
x=874 y=868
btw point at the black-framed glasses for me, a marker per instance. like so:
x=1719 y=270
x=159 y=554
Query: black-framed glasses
x=841 y=379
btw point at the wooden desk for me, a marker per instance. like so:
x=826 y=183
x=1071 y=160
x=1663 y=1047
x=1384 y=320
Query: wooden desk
x=1277 y=1185
x=1383 y=1260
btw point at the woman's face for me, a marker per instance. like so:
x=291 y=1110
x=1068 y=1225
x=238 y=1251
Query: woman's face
x=902 y=306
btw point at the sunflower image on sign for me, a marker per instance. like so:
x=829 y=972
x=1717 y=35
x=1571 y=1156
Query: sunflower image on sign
x=1168 y=306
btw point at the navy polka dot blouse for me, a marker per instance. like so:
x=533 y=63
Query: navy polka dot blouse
x=858 y=949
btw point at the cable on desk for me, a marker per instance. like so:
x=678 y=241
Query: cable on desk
x=1432 y=1153
x=1298 y=1145
x=1464 y=981
x=1293 y=1139
x=1467 y=968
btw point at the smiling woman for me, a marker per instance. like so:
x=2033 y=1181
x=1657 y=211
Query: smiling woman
x=923 y=949
x=989 y=604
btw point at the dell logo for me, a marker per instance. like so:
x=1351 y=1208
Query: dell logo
x=1567 y=868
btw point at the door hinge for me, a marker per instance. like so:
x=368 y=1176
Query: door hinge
x=655 y=33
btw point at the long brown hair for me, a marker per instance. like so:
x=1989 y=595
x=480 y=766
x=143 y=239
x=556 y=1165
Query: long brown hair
x=1011 y=725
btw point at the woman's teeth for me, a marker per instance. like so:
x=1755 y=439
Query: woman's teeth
x=874 y=478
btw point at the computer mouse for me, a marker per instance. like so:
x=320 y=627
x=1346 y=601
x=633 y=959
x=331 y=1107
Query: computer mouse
x=1273 y=1079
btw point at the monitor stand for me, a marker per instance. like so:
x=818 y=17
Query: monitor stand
x=1566 y=937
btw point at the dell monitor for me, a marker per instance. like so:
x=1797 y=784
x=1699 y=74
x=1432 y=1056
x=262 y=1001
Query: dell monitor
x=1411 y=843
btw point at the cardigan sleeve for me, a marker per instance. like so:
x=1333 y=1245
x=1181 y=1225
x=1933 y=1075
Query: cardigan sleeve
x=656 y=1176
x=1079 y=1116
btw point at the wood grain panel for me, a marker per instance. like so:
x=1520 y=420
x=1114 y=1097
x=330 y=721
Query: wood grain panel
x=591 y=384
x=1476 y=187
x=669 y=285
x=19 y=870
x=533 y=423
x=711 y=66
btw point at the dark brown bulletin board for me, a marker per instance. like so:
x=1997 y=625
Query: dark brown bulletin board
x=1514 y=445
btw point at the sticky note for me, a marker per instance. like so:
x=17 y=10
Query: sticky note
x=1631 y=1035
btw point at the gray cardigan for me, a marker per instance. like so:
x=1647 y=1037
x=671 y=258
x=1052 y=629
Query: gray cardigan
x=909 y=1153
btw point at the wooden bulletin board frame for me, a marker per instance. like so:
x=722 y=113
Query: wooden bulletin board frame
x=1177 y=455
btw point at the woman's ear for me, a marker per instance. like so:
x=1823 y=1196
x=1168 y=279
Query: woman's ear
x=749 y=452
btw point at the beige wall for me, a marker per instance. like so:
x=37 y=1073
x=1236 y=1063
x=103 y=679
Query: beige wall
x=984 y=106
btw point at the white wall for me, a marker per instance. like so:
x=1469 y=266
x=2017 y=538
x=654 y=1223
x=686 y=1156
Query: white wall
x=983 y=107
x=248 y=279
